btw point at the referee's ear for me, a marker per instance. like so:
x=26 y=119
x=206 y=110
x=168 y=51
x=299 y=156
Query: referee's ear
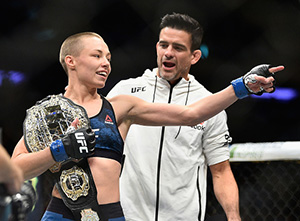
x=196 y=55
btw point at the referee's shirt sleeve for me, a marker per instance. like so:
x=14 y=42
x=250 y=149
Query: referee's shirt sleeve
x=114 y=91
x=216 y=139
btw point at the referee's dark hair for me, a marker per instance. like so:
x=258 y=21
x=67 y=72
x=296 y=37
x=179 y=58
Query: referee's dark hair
x=185 y=23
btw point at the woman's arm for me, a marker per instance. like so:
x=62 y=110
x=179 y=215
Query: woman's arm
x=32 y=164
x=133 y=110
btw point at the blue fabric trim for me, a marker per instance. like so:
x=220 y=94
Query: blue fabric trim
x=240 y=88
x=48 y=215
x=117 y=219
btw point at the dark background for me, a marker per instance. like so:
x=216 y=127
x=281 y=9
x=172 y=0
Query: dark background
x=238 y=33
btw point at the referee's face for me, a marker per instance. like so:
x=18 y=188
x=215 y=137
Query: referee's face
x=174 y=56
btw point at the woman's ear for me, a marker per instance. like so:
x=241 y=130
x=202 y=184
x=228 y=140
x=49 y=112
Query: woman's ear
x=69 y=60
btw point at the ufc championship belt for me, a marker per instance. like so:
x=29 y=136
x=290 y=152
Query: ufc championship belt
x=48 y=121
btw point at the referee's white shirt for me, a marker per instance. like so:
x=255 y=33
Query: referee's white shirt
x=165 y=173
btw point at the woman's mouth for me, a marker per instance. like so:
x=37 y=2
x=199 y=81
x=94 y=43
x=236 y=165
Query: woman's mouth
x=102 y=73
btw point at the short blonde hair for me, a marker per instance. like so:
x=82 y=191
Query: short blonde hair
x=73 y=46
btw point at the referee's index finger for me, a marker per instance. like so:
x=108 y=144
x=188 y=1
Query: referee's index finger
x=276 y=69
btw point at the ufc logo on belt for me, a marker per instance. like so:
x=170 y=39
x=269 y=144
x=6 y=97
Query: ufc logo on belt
x=81 y=140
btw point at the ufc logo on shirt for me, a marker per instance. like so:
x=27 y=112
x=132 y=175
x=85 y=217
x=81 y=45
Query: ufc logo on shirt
x=137 y=89
x=81 y=140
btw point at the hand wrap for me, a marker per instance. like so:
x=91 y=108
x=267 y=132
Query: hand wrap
x=240 y=85
x=76 y=145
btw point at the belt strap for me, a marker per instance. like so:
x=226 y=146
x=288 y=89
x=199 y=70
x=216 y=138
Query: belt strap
x=76 y=186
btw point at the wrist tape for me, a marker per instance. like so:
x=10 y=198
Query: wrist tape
x=240 y=88
x=58 y=151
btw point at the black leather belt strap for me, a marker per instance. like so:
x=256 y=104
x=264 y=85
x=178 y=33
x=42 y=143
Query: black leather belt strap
x=76 y=186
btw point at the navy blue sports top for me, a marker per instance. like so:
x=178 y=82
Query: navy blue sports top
x=109 y=143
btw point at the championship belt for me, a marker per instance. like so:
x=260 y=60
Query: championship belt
x=48 y=121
